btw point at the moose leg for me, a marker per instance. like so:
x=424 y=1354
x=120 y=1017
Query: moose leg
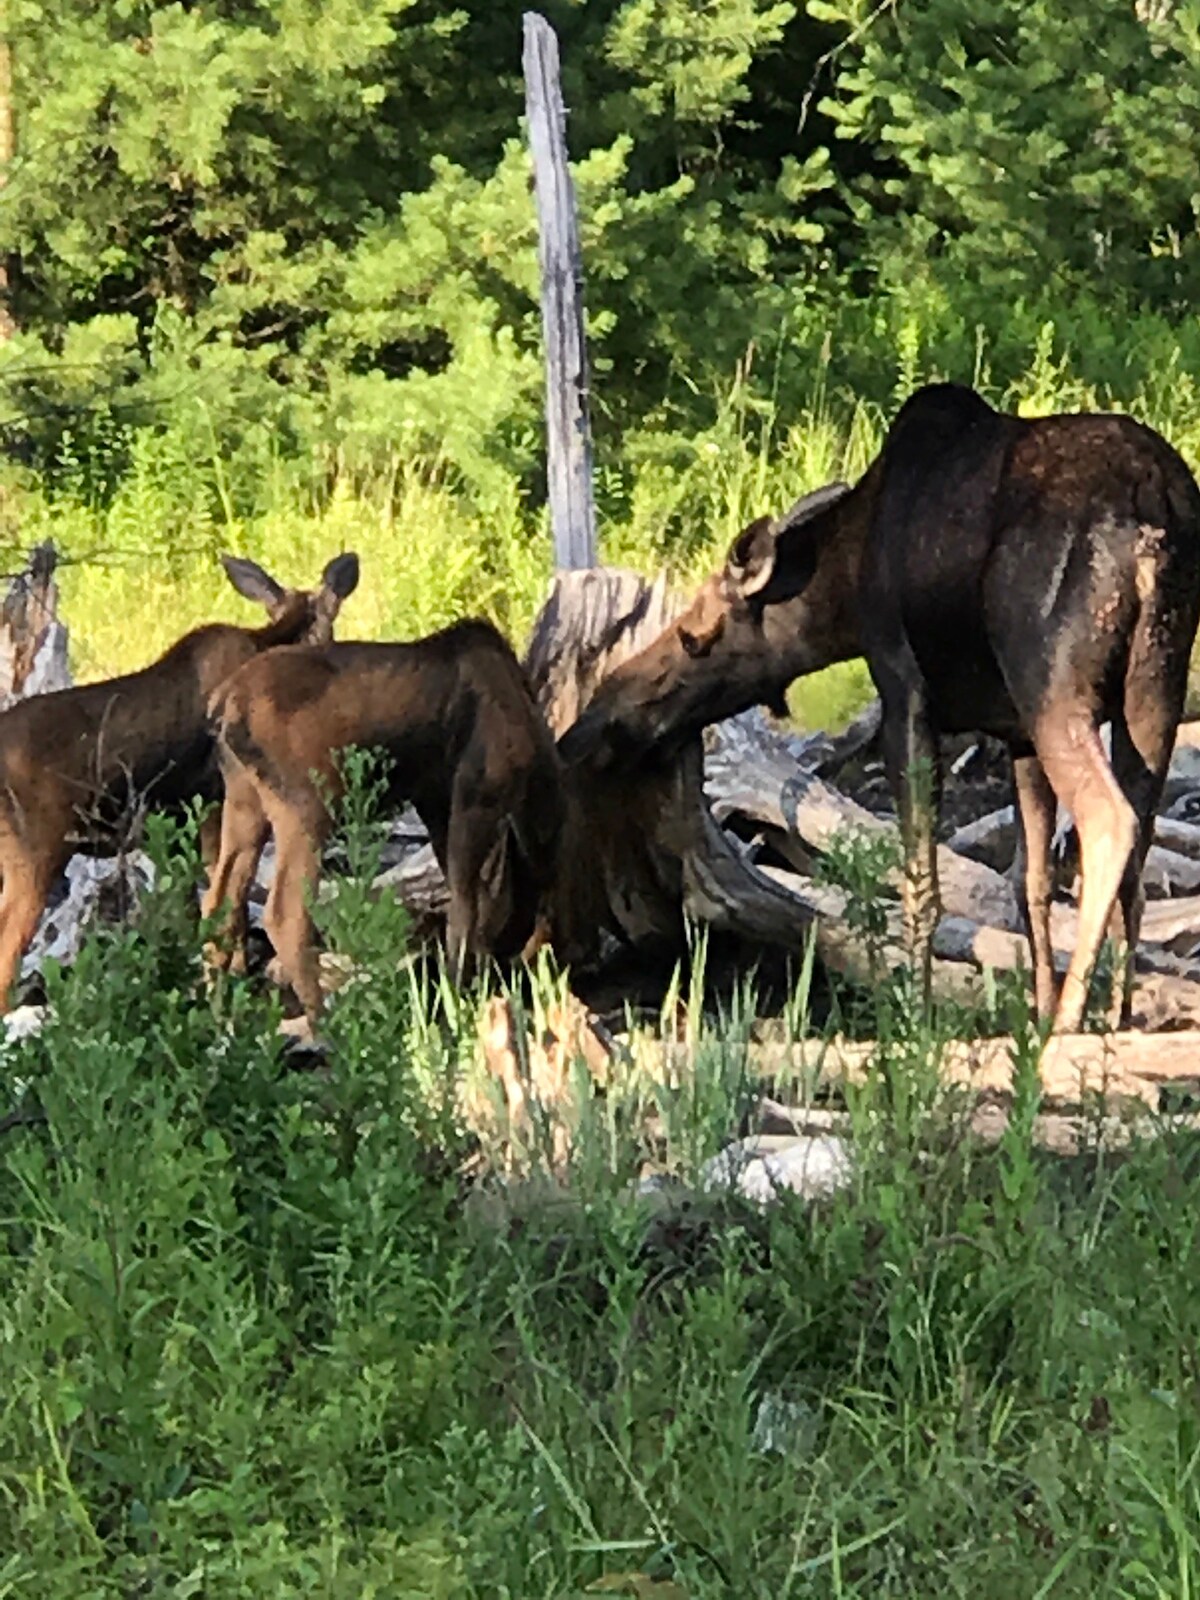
x=1142 y=739
x=243 y=833
x=910 y=756
x=299 y=835
x=473 y=879
x=27 y=879
x=209 y=838
x=1070 y=750
x=1035 y=820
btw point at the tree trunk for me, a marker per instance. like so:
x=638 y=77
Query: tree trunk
x=33 y=642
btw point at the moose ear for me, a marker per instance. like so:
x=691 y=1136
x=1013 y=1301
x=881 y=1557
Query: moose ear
x=751 y=558
x=341 y=575
x=251 y=582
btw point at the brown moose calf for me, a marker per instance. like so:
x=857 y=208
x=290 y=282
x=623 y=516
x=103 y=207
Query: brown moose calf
x=466 y=744
x=79 y=765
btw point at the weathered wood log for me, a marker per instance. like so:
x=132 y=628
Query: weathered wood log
x=568 y=434
x=1183 y=775
x=1170 y=864
x=991 y=839
x=1181 y=837
x=825 y=753
x=1163 y=922
x=853 y=956
x=1167 y=873
x=1062 y=1133
x=1072 y=1067
x=417 y=880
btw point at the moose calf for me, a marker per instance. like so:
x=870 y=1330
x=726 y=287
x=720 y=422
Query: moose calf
x=1027 y=579
x=76 y=766
x=465 y=743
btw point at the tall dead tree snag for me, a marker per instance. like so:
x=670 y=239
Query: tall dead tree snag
x=568 y=435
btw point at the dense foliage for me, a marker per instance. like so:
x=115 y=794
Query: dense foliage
x=298 y=230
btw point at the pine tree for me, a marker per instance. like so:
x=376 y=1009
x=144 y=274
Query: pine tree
x=1030 y=146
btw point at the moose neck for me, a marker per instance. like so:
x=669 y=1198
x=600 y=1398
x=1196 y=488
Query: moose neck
x=822 y=625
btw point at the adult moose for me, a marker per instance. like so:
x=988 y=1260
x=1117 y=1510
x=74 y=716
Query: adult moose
x=76 y=766
x=1030 y=579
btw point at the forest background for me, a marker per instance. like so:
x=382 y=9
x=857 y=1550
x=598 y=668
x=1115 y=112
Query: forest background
x=271 y=276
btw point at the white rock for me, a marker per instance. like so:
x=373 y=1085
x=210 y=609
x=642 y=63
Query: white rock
x=812 y=1165
x=24 y=1021
x=785 y=1427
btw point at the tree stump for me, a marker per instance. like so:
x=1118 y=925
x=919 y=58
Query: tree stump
x=33 y=642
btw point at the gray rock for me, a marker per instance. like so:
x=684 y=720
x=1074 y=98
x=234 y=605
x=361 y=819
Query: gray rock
x=784 y=1427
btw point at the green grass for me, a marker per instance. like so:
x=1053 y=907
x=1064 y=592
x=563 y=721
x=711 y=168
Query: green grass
x=257 y=1339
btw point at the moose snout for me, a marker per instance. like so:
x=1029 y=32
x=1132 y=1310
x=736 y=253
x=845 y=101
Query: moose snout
x=607 y=738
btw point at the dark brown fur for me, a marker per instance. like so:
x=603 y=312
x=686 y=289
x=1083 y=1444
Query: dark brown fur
x=78 y=766
x=1029 y=579
x=466 y=744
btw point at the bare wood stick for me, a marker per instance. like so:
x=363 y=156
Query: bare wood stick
x=568 y=437
x=1181 y=837
x=1072 y=1066
x=1168 y=872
